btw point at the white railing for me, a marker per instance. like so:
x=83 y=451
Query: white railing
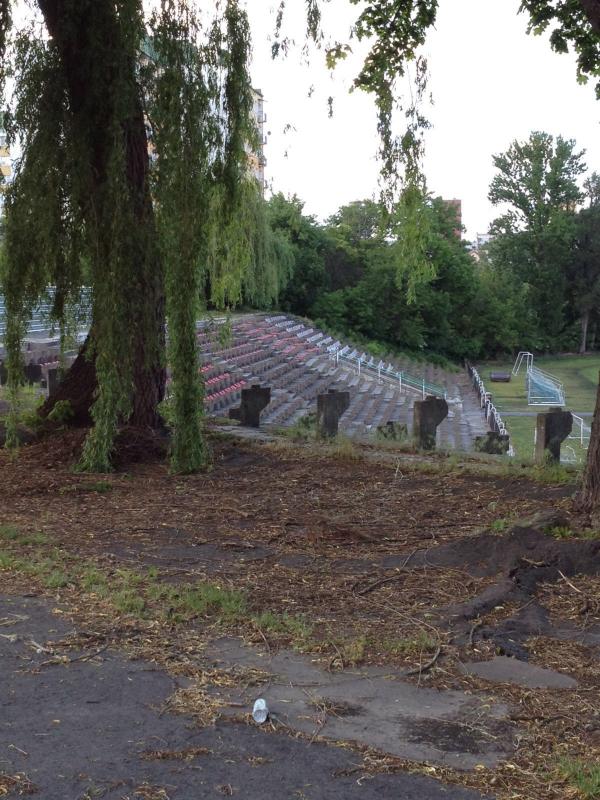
x=543 y=389
x=581 y=433
x=363 y=364
x=491 y=413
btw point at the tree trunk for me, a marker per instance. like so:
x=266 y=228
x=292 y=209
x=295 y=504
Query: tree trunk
x=78 y=387
x=100 y=70
x=591 y=9
x=589 y=497
x=585 y=319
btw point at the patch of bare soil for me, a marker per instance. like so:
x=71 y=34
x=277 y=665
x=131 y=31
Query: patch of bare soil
x=350 y=560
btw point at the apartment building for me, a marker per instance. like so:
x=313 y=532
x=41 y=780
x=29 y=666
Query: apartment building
x=455 y=205
x=5 y=166
x=256 y=158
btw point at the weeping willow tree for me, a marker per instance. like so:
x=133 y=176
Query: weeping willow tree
x=133 y=182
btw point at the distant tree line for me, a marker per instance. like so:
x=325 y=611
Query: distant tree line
x=536 y=285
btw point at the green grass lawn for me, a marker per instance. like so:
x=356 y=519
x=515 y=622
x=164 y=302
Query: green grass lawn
x=30 y=397
x=579 y=376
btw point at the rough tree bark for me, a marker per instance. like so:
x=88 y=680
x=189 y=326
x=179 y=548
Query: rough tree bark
x=589 y=496
x=78 y=387
x=591 y=9
x=585 y=320
x=91 y=42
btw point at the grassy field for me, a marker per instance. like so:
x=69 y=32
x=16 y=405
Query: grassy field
x=30 y=397
x=579 y=375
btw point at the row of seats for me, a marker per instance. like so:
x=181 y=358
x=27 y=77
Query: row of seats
x=293 y=359
x=221 y=400
x=223 y=376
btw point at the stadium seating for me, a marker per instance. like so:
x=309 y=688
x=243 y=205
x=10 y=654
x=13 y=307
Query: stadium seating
x=299 y=362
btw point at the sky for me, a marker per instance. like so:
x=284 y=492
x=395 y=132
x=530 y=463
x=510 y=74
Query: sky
x=491 y=83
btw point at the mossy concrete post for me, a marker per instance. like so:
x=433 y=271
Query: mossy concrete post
x=254 y=400
x=427 y=415
x=493 y=443
x=393 y=431
x=552 y=429
x=53 y=380
x=330 y=408
x=33 y=373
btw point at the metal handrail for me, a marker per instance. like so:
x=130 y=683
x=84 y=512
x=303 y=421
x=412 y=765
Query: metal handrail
x=490 y=408
x=535 y=373
x=405 y=381
x=585 y=431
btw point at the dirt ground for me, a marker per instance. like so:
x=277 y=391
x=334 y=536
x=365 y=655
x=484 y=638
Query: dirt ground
x=403 y=564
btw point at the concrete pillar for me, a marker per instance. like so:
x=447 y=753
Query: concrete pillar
x=330 y=408
x=427 y=415
x=552 y=429
x=253 y=401
x=53 y=380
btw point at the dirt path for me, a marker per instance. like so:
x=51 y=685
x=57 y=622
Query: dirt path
x=341 y=566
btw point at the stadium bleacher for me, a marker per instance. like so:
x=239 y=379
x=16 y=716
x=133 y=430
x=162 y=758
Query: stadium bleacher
x=299 y=362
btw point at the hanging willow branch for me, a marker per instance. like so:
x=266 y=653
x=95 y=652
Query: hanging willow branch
x=396 y=30
x=5 y=23
x=209 y=208
x=152 y=242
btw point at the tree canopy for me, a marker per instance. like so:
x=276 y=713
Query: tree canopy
x=537 y=179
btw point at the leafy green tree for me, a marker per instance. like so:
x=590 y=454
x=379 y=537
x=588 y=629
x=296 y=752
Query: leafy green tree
x=446 y=301
x=356 y=235
x=537 y=179
x=445 y=316
x=358 y=222
x=502 y=313
x=375 y=308
x=306 y=243
x=585 y=269
x=592 y=189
